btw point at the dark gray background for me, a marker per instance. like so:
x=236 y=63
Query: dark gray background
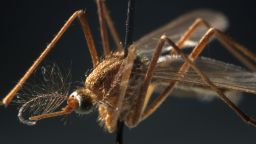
x=27 y=27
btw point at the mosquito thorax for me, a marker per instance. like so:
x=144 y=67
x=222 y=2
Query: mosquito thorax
x=85 y=102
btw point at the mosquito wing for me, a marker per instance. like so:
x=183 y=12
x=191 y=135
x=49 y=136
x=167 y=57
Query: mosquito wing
x=225 y=76
x=176 y=28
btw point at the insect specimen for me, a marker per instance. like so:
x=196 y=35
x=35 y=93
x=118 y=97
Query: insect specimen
x=121 y=85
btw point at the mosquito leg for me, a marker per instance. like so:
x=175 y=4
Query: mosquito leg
x=127 y=70
x=189 y=63
x=148 y=110
x=88 y=36
x=191 y=29
x=223 y=97
x=183 y=69
x=239 y=51
x=135 y=118
x=231 y=44
x=112 y=29
x=90 y=42
x=103 y=30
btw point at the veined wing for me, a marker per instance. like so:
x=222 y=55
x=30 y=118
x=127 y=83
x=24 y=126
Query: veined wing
x=225 y=76
x=176 y=28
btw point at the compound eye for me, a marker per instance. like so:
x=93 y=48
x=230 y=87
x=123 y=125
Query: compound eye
x=86 y=104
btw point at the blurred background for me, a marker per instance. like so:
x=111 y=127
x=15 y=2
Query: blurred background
x=26 y=27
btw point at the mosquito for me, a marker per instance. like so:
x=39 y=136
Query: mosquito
x=121 y=85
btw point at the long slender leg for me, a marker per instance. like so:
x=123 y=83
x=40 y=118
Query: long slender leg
x=159 y=100
x=148 y=110
x=112 y=29
x=149 y=93
x=90 y=42
x=183 y=69
x=223 y=97
x=231 y=45
x=239 y=51
x=135 y=118
x=103 y=30
x=88 y=36
x=189 y=63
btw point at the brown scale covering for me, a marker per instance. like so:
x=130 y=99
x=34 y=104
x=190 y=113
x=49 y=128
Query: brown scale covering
x=104 y=82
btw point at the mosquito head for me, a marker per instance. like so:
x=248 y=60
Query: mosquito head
x=84 y=100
